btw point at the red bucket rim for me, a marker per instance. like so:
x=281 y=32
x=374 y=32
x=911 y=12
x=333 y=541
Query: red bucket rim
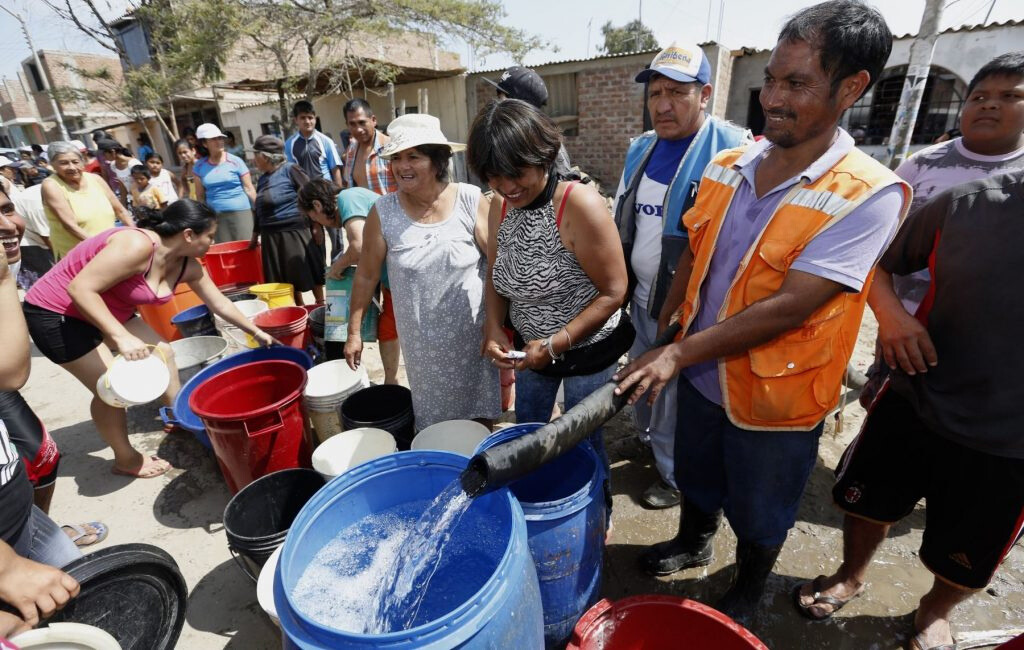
x=276 y=368
x=604 y=609
x=229 y=247
x=296 y=316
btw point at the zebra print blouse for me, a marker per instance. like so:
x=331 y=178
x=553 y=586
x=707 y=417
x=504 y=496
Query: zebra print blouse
x=543 y=281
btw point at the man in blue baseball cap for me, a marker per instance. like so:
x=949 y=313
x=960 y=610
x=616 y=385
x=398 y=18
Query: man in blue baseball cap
x=659 y=182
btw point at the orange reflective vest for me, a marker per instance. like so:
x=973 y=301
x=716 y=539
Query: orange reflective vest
x=792 y=382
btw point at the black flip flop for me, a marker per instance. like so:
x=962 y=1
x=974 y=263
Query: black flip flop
x=819 y=599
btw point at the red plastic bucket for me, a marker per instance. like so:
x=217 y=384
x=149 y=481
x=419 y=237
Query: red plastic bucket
x=233 y=262
x=656 y=622
x=286 y=324
x=255 y=418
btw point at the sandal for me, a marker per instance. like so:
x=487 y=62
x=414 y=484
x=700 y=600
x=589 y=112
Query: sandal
x=80 y=536
x=915 y=643
x=819 y=599
x=153 y=467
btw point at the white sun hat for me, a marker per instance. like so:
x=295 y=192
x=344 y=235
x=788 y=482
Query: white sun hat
x=413 y=130
x=207 y=131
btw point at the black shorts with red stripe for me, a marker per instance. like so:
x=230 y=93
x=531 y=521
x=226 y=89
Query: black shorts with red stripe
x=974 y=502
x=37 y=449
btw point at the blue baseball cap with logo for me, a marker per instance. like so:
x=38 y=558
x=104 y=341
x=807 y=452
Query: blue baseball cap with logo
x=682 y=63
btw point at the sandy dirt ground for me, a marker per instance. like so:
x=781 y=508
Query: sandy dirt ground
x=181 y=512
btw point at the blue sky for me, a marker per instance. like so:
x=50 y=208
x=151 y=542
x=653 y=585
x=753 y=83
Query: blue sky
x=571 y=25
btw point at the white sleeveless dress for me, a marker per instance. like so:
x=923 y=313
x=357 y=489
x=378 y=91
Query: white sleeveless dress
x=436 y=273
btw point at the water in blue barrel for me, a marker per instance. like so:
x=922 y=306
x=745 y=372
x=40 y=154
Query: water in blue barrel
x=480 y=591
x=565 y=521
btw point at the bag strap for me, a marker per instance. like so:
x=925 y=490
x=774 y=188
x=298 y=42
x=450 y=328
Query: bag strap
x=561 y=205
x=504 y=209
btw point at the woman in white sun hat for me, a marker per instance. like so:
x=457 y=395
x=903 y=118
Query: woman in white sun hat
x=432 y=234
x=223 y=182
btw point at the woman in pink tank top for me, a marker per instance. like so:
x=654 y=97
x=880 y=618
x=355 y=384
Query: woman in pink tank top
x=84 y=307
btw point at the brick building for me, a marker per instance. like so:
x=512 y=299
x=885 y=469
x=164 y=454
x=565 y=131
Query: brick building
x=597 y=105
x=19 y=121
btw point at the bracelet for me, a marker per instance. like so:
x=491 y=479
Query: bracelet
x=551 y=349
x=569 y=338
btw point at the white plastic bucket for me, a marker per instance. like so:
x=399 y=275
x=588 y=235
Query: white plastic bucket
x=265 y=586
x=350 y=448
x=66 y=636
x=457 y=436
x=235 y=336
x=129 y=383
x=329 y=384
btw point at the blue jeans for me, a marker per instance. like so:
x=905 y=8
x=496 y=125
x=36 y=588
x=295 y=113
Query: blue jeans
x=756 y=477
x=42 y=540
x=535 y=397
x=658 y=421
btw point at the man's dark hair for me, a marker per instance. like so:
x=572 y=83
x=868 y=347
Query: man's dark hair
x=1010 y=64
x=509 y=135
x=36 y=148
x=303 y=106
x=849 y=35
x=355 y=104
x=142 y=170
x=152 y=155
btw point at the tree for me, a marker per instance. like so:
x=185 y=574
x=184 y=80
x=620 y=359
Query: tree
x=634 y=36
x=190 y=41
x=325 y=45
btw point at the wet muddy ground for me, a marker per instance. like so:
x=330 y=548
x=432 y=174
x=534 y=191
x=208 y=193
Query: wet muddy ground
x=181 y=512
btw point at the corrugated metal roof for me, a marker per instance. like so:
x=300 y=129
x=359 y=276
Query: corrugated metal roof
x=968 y=28
x=746 y=51
x=576 y=60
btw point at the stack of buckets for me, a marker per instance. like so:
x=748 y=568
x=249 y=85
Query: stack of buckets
x=328 y=386
x=235 y=336
x=286 y=324
x=275 y=294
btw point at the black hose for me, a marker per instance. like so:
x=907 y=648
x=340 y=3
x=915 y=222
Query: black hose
x=504 y=463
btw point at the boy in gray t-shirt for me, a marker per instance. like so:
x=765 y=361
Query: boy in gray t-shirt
x=992 y=122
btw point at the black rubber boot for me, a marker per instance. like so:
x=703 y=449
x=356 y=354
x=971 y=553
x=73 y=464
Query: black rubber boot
x=753 y=566
x=690 y=548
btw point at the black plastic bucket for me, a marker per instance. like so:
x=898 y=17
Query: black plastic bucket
x=135 y=592
x=257 y=519
x=195 y=321
x=387 y=407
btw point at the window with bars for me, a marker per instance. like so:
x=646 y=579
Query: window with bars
x=940 y=107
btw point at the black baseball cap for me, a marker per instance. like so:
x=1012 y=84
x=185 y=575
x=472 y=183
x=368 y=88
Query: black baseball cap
x=522 y=83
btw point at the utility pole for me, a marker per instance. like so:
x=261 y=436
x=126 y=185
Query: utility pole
x=921 y=51
x=639 y=22
x=42 y=75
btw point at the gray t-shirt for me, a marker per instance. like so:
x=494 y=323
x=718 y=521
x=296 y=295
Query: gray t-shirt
x=976 y=233
x=933 y=170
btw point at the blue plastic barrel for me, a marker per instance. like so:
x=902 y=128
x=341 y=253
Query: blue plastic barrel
x=565 y=521
x=484 y=593
x=183 y=416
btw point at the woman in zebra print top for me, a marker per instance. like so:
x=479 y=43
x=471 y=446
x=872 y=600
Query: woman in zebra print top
x=558 y=273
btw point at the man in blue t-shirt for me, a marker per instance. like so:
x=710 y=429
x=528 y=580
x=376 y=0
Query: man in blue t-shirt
x=316 y=155
x=658 y=185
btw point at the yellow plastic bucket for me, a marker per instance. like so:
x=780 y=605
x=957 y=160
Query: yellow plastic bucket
x=275 y=294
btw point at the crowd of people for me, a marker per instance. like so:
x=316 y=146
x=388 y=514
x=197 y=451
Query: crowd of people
x=760 y=256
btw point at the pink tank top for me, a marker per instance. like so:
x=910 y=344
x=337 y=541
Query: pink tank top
x=50 y=291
